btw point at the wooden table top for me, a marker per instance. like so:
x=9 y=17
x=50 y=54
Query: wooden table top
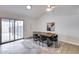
x=46 y=34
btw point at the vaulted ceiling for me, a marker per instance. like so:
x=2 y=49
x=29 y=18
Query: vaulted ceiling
x=38 y=10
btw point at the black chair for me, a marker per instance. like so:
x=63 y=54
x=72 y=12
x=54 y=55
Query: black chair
x=43 y=39
x=54 y=39
x=36 y=38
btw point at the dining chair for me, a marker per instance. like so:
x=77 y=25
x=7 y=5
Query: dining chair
x=54 y=39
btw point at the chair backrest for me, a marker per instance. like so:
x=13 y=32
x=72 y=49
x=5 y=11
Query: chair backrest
x=35 y=35
x=43 y=38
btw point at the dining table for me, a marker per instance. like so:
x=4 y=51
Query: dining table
x=47 y=36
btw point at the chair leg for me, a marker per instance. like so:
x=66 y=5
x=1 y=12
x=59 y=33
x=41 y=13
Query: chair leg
x=56 y=44
x=39 y=43
x=42 y=44
x=33 y=41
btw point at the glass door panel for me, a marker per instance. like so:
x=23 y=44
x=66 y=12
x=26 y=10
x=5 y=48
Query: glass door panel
x=5 y=30
x=11 y=29
x=21 y=29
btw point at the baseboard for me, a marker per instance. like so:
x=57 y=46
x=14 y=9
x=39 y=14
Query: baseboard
x=73 y=43
x=69 y=39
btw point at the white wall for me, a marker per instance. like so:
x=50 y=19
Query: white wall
x=67 y=26
x=29 y=27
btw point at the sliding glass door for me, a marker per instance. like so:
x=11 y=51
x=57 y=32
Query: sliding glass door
x=11 y=30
